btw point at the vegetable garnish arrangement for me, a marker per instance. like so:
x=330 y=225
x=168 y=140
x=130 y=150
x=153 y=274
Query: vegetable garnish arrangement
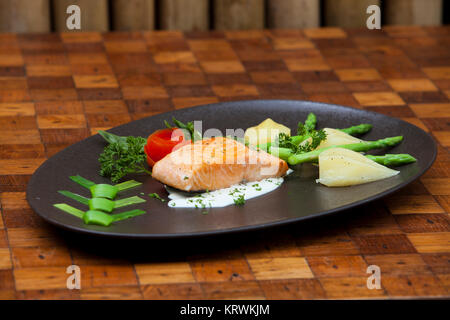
x=338 y=152
x=123 y=156
x=241 y=178
x=102 y=202
x=127 y=155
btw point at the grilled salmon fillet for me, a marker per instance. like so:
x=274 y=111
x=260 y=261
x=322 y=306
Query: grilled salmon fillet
x=216 y=163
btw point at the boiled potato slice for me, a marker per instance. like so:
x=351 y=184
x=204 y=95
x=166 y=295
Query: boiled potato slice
x=265 y=132
x=336 y=137
x=339 y=167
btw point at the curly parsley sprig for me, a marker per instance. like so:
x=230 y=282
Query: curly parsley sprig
x=311 y=137
x=123 y=156
x=307 y=138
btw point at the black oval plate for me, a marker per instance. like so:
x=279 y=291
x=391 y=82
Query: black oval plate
x=299 y=197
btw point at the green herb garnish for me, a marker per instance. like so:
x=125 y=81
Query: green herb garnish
x=240 y=200
x=156 y=196
x=104 y=190
x=307 y=139
x=188 y=128
x=98 y=217
x=102 y=203
x=123 y=156
x=316 y=136
x=257 y=187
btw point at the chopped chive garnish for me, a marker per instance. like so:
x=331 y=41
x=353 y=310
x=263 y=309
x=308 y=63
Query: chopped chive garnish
x=69 y=209
x=240 y=200
x=156 y=196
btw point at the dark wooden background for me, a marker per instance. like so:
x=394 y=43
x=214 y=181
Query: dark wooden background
x=191 y=15
x=56 y=89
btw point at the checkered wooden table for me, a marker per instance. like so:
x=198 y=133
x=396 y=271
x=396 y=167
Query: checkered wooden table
x=56 y=89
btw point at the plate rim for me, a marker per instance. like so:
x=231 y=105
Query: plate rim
x=242 y=228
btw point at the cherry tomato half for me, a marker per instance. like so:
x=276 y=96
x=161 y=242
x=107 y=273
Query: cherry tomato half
x=162 y=142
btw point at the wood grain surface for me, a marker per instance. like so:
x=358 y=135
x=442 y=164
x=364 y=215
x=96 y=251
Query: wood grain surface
x=57 y=89
x=184 y=15
x=129 y=15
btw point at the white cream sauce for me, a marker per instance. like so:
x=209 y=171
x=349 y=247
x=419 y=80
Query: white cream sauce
x=223 y=197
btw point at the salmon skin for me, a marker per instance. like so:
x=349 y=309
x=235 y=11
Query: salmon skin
x=216 y=163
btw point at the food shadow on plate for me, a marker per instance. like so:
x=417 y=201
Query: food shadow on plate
x=181 y=249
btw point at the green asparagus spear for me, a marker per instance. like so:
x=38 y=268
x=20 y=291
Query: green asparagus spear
x=282 y=153
x=393 y=159
x=299 y=139
x=358 y=147
x=359 y=129
x=355 y=130
x=264 y=146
